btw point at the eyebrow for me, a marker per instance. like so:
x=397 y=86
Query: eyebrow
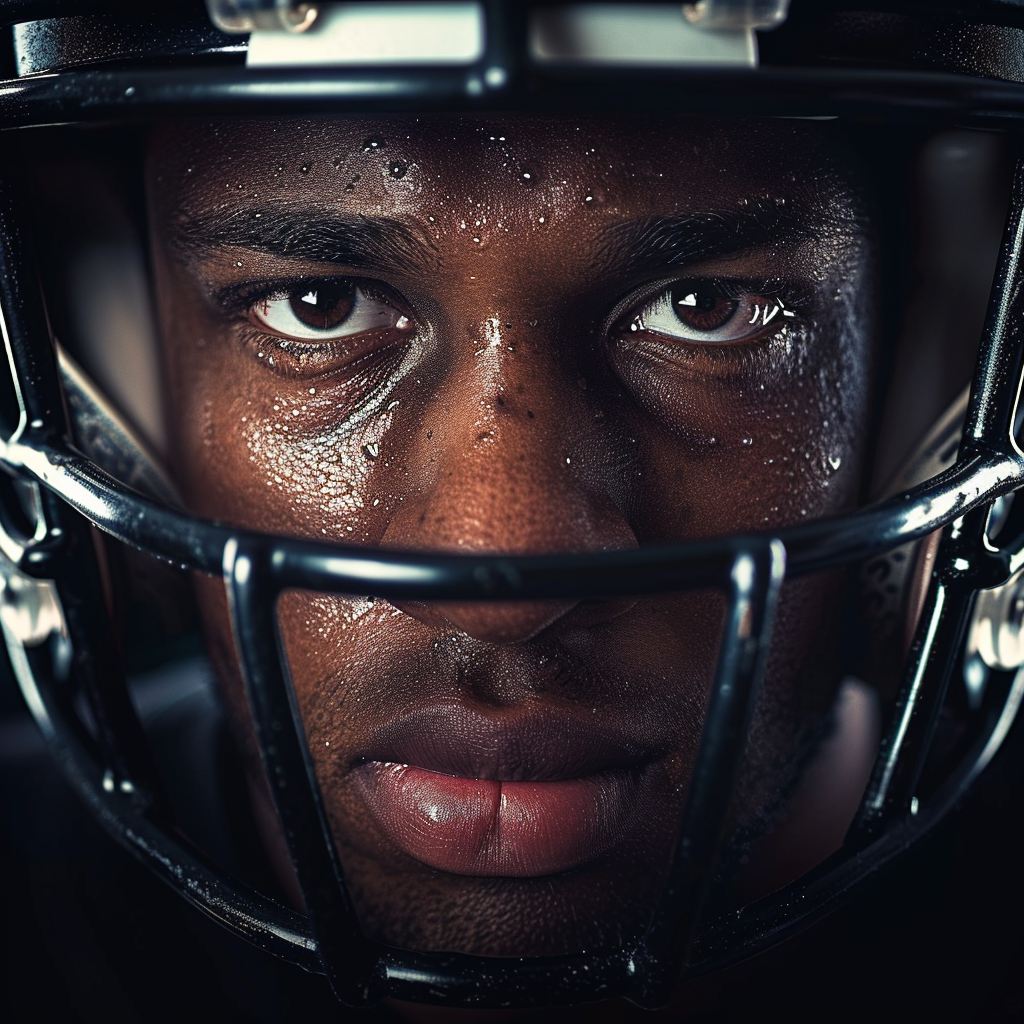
x=359 y=241
x=654 y=243
x=383 y=244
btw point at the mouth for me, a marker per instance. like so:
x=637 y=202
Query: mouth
x=521 y=794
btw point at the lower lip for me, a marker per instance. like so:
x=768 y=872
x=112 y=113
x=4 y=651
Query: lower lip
x=489 y=828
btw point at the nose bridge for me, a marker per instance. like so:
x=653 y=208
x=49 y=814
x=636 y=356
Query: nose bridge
x=505 y=451
x=504 y=463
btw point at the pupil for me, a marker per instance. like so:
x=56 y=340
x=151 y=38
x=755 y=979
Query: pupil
x=322 y=305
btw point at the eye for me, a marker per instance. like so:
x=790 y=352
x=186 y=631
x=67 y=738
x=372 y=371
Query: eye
x=708 y=312
x=327 y=310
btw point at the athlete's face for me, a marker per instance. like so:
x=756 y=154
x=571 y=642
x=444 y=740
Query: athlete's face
x=516 y=335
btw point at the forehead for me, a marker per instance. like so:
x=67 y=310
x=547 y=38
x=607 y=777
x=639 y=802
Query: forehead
x=454 y=168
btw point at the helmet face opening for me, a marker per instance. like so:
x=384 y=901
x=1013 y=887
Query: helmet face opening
x=550 y=486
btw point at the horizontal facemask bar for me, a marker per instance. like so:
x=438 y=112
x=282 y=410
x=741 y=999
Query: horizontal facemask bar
x=194 y=543
x=974 y=482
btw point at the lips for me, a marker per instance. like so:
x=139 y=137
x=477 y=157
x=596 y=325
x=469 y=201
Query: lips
x=520 y=794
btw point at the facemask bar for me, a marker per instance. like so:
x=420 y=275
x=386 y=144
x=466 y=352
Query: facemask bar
x=362 y=972
x=755 y=580
x=111 y=766
x=58 y=547
x=966 y=561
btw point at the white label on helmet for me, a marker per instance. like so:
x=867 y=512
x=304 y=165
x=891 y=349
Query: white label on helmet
x=634 y=34
x=377 y=33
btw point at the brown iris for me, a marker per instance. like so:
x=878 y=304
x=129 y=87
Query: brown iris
x=702 y=309
x=323 y=305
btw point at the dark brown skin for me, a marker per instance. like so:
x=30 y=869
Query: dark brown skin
x=507 y=405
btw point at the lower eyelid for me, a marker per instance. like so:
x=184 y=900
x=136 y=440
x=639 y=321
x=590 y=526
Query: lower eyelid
x=304 y=356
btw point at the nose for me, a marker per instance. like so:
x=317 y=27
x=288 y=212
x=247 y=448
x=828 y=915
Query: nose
x=510 y=459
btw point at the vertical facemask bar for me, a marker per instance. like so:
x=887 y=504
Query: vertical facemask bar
x=756 y=577
x=891 y=791
x=962 y=567
x=350 y=960
x=26 y=329
x=62 y=545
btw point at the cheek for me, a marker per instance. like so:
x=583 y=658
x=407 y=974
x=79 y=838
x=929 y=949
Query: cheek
x=278 y=451
x=755 y=443
x=314 y=472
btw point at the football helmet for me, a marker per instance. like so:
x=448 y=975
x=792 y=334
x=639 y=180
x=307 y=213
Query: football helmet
x=938 y=554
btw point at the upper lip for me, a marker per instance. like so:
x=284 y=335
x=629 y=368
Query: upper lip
x=522 y=744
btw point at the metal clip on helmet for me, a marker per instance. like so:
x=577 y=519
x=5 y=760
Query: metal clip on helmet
x=95 y=61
